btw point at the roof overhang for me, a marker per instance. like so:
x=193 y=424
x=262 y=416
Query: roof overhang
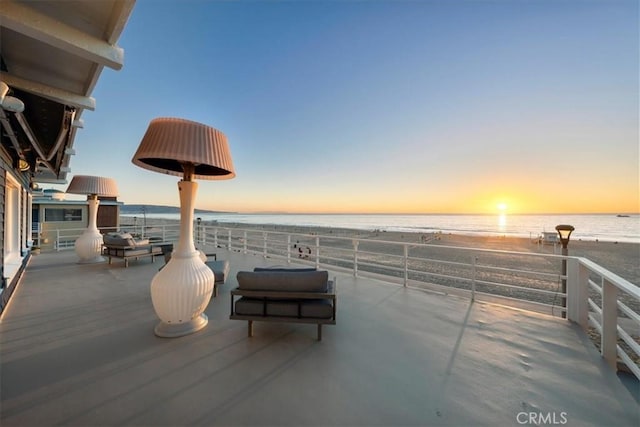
x=52 y=54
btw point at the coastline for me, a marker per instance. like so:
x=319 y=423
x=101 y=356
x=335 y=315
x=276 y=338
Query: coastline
x=588 y=227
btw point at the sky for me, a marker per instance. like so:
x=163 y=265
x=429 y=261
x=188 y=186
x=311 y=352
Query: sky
x=382 y=106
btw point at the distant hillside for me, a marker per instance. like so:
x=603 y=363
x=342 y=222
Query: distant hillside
x=157 y=209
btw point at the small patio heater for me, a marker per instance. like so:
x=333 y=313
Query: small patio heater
x=181 y=291
x=89 y=245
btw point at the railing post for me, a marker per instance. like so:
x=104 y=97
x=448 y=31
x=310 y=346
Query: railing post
x=244 y=244
x=577 y=292
x=264 y=244
x=355 y=257
x=164 y=233
x=204 y=235
x=609 y=339
x=288 y=248
x=317 y=251
x=57 y=242
x=229 y=240
x=406 y=265
x=215 y=237
x=474 y=260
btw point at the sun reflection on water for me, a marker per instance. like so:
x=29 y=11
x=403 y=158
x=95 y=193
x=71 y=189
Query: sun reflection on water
x=502 y=222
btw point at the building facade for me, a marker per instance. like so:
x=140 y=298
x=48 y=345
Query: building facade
x=51 y=57
x=57 y=222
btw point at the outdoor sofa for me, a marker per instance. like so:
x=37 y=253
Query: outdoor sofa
x=124 y=246
x=284 y=295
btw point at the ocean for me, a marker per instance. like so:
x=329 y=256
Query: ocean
x=602 y=227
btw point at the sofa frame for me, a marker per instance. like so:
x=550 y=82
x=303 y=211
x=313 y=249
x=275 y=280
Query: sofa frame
x=299 y=298
x=128 y=252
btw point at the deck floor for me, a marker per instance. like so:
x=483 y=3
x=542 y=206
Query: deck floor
x=77 y=349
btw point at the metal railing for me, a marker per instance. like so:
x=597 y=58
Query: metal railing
x=595 y=298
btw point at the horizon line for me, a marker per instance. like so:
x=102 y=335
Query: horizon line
x=392 y=213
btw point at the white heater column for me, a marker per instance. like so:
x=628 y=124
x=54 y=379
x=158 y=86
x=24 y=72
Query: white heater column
x=89 y=245
x=181 y=291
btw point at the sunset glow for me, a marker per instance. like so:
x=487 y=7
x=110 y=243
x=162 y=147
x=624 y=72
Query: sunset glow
x=483 y=107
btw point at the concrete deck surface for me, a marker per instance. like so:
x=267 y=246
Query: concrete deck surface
x=78 y=349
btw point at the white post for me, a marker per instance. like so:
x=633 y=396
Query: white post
x=264 y=244
x=244 y=245
x=355 y=258
x=577 y=292
x=317 y=251
x=288 y=248
x=406 y=265
x=609 y=339
x=229 y=240
x=474 y=260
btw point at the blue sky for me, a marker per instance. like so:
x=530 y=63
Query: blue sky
x=382 y=106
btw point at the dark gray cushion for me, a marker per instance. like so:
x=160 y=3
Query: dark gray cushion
x=249 y=307
x=284 y=281
x=220 y=269
x=316 y=309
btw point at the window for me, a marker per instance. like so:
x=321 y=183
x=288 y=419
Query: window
x=60 y=214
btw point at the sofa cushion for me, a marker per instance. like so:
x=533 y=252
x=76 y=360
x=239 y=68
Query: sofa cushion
x=118 y=239
x=122 y=240
x=316 y=309
x=283 y=281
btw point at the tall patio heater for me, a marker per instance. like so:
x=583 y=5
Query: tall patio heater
x=181 y=291
x=88 y=246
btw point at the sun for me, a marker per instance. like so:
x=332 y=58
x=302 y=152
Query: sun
x=502 y=207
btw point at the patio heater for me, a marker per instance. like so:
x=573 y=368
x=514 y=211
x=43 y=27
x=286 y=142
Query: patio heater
x=89 y=245
x=564 y=231
x=181 y=291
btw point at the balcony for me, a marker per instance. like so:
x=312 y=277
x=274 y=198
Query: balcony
x=77 y=348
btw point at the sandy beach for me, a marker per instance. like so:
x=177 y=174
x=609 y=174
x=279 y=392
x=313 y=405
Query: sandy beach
x=620 y=258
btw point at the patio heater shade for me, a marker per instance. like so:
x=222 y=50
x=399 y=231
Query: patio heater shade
x=93 y=185
x=170 y=143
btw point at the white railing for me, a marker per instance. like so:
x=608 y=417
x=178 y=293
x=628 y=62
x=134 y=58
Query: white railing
x=605 y=301
x=63 y=239
x=595 y=297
